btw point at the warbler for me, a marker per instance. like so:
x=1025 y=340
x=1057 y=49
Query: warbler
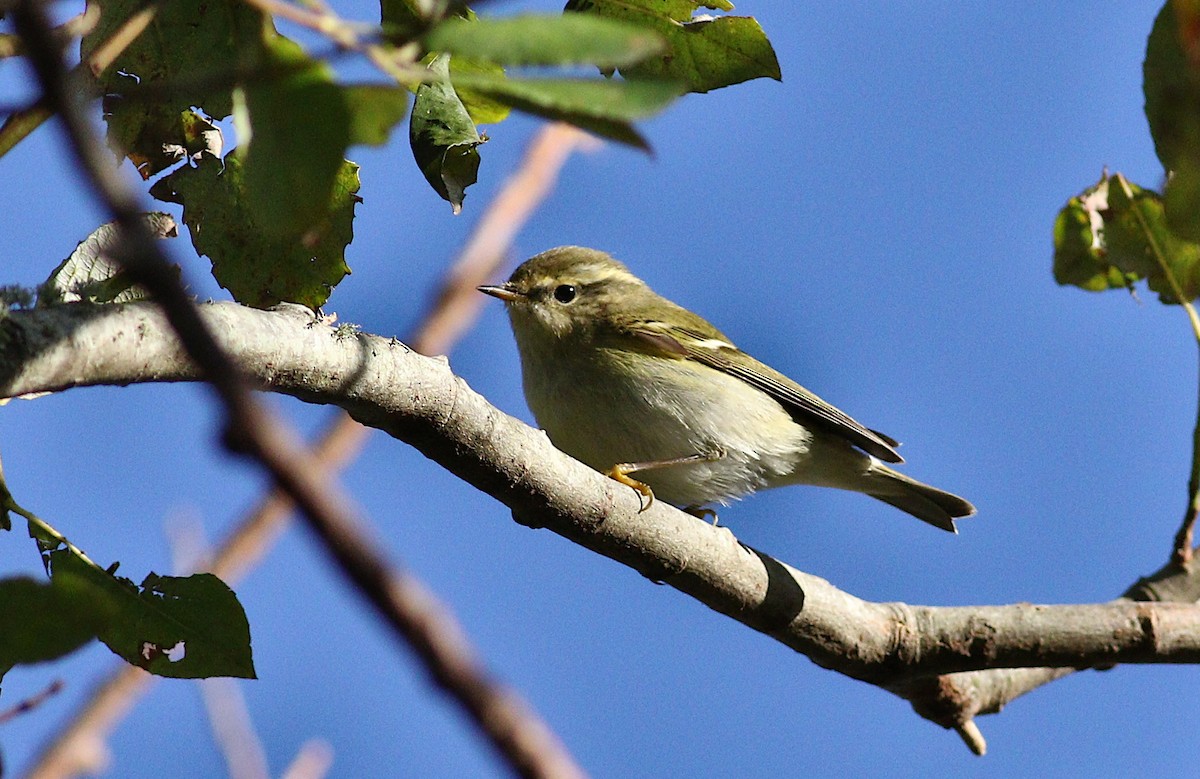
x=628 y=382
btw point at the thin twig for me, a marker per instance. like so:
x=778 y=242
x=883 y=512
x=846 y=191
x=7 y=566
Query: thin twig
x=342 y=440
x=458 y=301
x=79 y=25
x=20 y=124
x=232 y=730
x=397 y=63
x=1182 y=549
x=516 y=733
x=107 y=52
x=111 y=698
x=229 y=719
x=31 y=703
x=312 y=761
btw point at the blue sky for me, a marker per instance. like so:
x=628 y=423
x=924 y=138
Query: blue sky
x=878 y=226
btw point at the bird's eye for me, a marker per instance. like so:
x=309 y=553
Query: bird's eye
x=565 y=293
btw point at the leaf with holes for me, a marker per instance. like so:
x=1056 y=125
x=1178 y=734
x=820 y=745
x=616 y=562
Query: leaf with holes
x=260 y=267
x=1114 y=234
x=185 y=627
x=186 y=57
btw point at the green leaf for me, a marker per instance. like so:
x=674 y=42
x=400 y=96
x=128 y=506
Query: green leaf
x=1172 y=87
x=1181 y=200
x=404 y=20
x=182 y=627
x=401 y=18
x=546 y=40
x=299 y=131
x=374 y=111
x=261 y=267
x=1080 y=257
x=1171 y=82
x=604 y=107
x=443 y=138
x=705 y=52
x=1106 y=238
x=481 y=108
x=90 y=274
x=186 y=57
x=42 y=621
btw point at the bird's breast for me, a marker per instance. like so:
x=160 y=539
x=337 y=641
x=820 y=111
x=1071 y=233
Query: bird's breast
x=616 y=407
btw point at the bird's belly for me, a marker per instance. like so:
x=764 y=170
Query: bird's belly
x=672 y=409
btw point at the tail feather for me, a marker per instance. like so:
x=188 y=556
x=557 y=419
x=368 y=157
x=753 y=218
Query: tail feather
x=929 y=504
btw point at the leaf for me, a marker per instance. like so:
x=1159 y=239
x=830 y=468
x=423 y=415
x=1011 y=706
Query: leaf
x=1171 y=82
x=185 y=58
x=90 y=274
x=260 y=267
x=481 y=108
x=43 y=621
x=374 y=111
x=443 y=138
x=1080 y=256
x=188 y=627
x=401 y=18
x=604 y=107
x=299 y=130
x=405 y=20
x=705 y=52
x=1107 y=238
x=531 y=39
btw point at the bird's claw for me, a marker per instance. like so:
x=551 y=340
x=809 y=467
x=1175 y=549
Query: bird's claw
x=620 y=472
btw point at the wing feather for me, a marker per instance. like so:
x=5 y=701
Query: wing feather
x=708 y=347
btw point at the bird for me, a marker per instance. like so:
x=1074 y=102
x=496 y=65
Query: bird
x=651 y=394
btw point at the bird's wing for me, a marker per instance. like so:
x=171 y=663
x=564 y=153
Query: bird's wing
x=707 y=346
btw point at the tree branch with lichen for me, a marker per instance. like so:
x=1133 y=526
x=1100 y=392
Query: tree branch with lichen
x=903 y=648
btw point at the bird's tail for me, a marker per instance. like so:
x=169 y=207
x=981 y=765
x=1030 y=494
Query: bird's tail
x=929 y=504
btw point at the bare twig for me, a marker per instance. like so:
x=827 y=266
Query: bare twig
x=232 y=730
x=311 y=762
x=107 y=52
x=19 y=124
x=80 y=24
x=228 y=718
x=73 y=745
x=521 y=738
x=397 y=63
x=1182 y=548
x=458 y=301
x=31 y=703
x=343 y=438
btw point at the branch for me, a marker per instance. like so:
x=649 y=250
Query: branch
x=516 y=733
x=954 y=700
x=417 y=399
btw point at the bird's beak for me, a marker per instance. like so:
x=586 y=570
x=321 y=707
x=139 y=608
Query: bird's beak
x=502 y=291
